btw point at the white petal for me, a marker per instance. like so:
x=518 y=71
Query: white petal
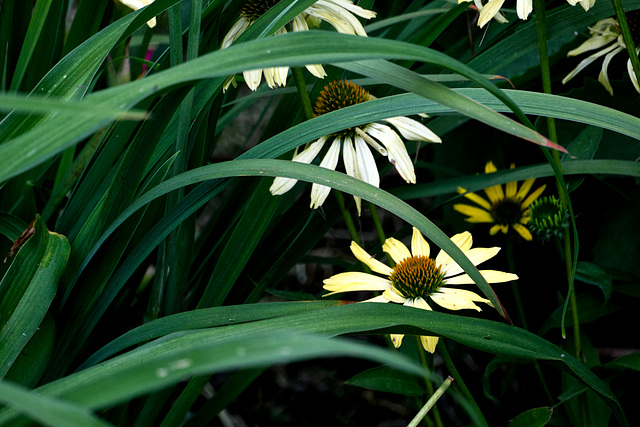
x=319 y=192
x=397 y=152
x=462 y=240
x=413 y=130
x=282 y=185
x=366 y=163
x=349 y=160
x=252 y=78
x=476 y=255
x=456 y=299
x=585 y=62
x=235 y=32
x=489 y=11
x=524 y=8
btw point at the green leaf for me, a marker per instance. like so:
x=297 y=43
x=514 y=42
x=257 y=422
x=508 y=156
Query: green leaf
x=27 y=289
x=592 y=274
x=383 y=378
x=628 y=361
x=46 y=410
x=536 y=417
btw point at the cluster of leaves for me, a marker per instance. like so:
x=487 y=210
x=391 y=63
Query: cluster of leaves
x=157 y=251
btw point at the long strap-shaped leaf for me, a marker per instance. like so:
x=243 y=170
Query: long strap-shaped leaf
x=28 y=150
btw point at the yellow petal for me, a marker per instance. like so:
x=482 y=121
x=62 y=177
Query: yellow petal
x=370 y=261
x=533 y=196
x=495 y=194
x=478 y=199
x=429 y=343
x=510 y=189
x=396 y=339
x=393 y=295
x=523 y=231
x=475 y=215
x=524 y=189
x=419 y=246
x=396 y=249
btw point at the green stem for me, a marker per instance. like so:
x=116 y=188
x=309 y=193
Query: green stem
x=514 y=284
x=302 y=91
x=376 y=222
x=432 y=401
x=446 y=358
x=346 y=216
x=626 y=35
x=545 y=73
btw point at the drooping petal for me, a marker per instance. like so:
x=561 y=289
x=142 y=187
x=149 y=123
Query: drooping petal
x=396 y=339
x=319 y=192
x=413 y=130
x=370 y=261
x=419 y=246
x=585 y=62
x=252 y=78
x=396 y=249
x=350 y=165
x=282 y=185
x=489 y=11
x=524 y=8
x=139 y=4
x=236 y=30
x=396 y=150
x=352 y=281
x=632 y=74
x=366 y=163
x=428 y=342
x=491 y=276
x=604 y=73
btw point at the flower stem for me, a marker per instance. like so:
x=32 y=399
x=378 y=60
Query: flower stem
x=428 y=383
x=302 y=92
x=376 y=222
x=432 y=401
x=626 y=35
x=545 y=72
x=446 y=358
x=346 y=216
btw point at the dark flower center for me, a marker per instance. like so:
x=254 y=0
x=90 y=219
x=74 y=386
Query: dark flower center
x=633 y=18
x=507 y=212
x=340 y=94
x=254 y=9
x=417 y=276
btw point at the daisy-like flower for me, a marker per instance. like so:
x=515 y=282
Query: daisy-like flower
x=508 y=208
x=606 y=36
x=417 y=279
x=491 y=9
x=337 y=13
x=357 y=157
x=139 y=4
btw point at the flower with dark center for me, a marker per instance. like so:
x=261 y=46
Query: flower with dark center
x=505 y=209
x=337 y=13
x=418 y=279
x=491 y=9
x=607 y=37
x=353 y=142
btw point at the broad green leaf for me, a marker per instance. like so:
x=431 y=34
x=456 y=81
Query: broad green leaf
x=27 y=289
x=628 y=361
x=592 y=274
x=46 y=410
x=537 y=417
x=389 y=380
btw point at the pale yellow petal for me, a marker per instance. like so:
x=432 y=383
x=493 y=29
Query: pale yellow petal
x=462 y=240
x=352 y=281
x=419 y=246
x=489 y=11
x=393 y=295
x=476 y=255
x=370 y=261
x=491 y=276
x=457 y=299
x=429 y=343
x=396 y=339
x=396 y=249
